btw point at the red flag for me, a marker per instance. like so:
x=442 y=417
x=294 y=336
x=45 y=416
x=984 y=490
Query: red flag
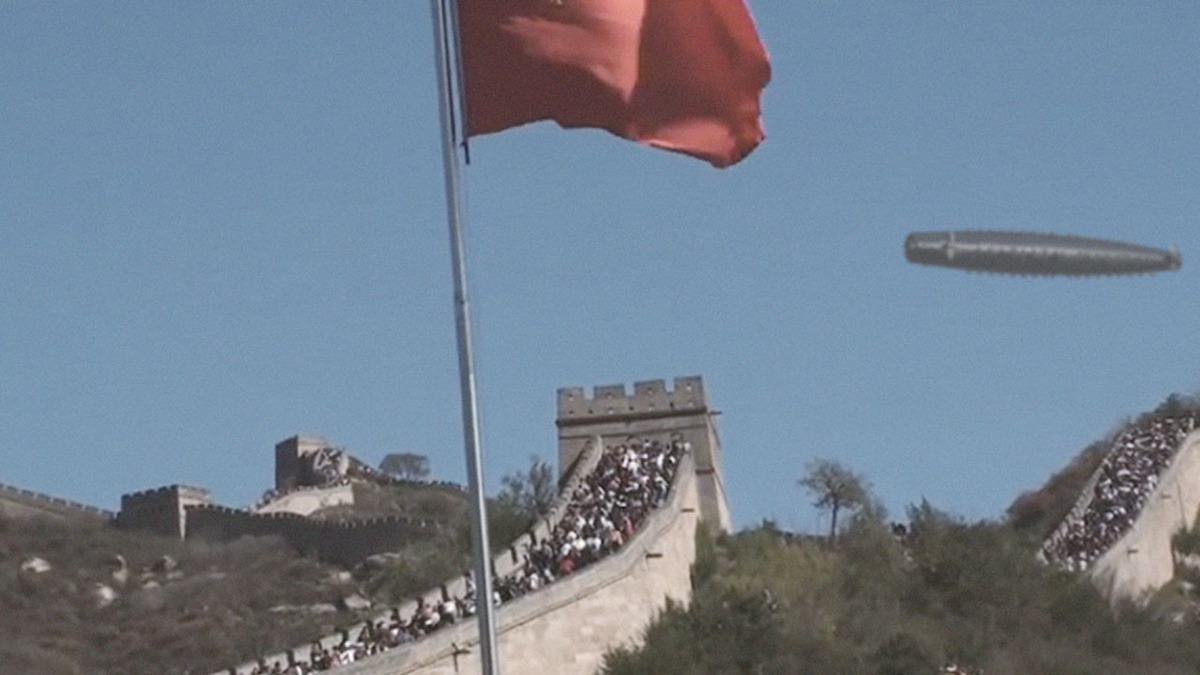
x=685 y=75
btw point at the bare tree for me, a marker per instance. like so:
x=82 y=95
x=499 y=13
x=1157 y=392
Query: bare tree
x=405 y=465
x=834 y=488
x=531 y=493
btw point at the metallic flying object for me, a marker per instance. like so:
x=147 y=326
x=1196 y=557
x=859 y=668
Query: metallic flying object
x=1032 y=253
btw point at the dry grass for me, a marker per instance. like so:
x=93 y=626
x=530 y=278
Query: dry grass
x=213 y=613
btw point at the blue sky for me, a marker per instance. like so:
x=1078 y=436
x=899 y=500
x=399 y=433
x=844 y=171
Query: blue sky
x=222 y=223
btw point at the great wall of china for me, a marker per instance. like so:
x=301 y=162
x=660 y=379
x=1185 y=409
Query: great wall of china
x=567 y=626
x=1143 y=561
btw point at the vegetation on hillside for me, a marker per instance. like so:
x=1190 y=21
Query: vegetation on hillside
x=947 y=592
x=436 y=501
x=1038 y=512
x=199 y=607
x=205 y=607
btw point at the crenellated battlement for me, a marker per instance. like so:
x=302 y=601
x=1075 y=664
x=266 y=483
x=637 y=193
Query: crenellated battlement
x=651 y=412
x=341 y=524
x=163 y=509
x=650 y=398
x=27 y=502
x=164 y=490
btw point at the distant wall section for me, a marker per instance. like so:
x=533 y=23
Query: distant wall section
x=18 y=503
x=188 y=512
x=162 y=510
x=345 y=542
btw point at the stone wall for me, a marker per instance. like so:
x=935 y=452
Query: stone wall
x=292 y=457
x=1141 y=562
x=18 y=503
x=502 y=563
x=346 y=543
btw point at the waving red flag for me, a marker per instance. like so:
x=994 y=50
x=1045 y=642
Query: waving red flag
x=684 y=75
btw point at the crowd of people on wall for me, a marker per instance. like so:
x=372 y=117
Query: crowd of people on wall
x=607 y=507
x=1127 y=476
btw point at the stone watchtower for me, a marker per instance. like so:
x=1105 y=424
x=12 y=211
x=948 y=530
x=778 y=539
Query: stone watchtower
x=294 y=459
x=163 y=510
x=651 y=413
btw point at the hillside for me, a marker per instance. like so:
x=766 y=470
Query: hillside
x=950 y=593
x=196 y=607
x=943 y=595
x=937 y=594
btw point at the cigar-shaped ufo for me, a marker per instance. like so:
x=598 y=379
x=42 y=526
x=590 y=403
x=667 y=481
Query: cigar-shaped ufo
x=1035 y=254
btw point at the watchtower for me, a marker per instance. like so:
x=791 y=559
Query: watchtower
x=293 y=461
x=652 y=413
x=163 y=510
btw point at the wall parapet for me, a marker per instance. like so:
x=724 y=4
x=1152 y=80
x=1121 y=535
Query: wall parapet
x=343 y=541
x=52 y=503
x=651 y=412
x=650 y=398
x=164 y=490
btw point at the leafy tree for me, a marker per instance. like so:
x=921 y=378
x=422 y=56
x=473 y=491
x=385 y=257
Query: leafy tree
x=1176 y=405
x=405 y=465
x=834 y=488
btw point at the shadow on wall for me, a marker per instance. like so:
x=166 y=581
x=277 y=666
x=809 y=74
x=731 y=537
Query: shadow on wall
x=346 y=543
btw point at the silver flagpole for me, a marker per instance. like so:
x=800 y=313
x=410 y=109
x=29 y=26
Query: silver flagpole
x=444 y=41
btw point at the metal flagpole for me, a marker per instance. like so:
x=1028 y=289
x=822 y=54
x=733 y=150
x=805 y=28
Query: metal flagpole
x=445 y=43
